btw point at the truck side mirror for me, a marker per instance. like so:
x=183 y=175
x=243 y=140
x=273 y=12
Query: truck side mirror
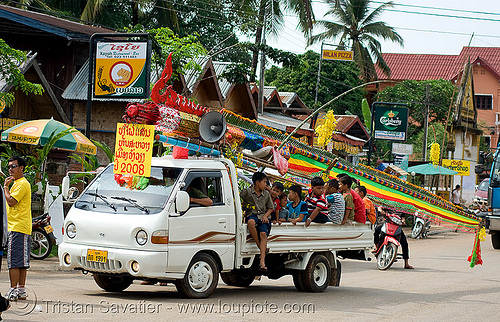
x=182 y=201
x=65 y=187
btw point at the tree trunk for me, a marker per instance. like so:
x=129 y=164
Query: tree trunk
x=135 y=13
x=258 y=40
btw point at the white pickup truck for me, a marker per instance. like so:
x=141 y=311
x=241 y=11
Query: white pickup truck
x=121 y=235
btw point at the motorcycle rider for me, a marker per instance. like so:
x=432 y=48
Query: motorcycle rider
x=404 y=243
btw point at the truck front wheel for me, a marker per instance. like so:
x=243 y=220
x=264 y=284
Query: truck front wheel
x=201 y=278
x=495 y=239
x=316 y=276
x=111 y=283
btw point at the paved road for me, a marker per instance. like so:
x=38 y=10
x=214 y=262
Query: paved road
x=442 y=287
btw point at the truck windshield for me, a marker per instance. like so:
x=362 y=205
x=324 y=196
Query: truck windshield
x=495 y=171
x=105 y=194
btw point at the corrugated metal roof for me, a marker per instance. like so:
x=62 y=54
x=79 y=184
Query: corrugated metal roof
x=77 y=89
x=287 y=97
x=423 y=66
x=268 y=91
x=192 y=76
x=418 y=67
x=65 y=28
x=281 y=122
x=224 y=85
x=23 y=67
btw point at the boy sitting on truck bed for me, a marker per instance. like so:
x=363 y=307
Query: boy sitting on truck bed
x=316 y=202
x=297 y=209
x=258 y=218
x=276 y=191
x=336 y=202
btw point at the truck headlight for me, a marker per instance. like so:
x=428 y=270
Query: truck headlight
x=71 y=231
x=141 y=237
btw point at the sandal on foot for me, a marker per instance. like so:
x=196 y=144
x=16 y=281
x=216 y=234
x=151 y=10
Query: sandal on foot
x=409 y=267
x=262 y=268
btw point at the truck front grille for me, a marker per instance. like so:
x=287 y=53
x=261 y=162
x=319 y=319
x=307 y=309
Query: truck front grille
x=110 y=266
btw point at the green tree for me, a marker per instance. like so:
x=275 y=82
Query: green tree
x=441 y=94
x=10 y=60
x=358 y=29
x=271 y=12
x=336 y=78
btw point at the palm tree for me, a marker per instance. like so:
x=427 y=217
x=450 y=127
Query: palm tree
x=358 y=28
x=271 y=12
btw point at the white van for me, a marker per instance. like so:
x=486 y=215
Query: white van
x=121 y=235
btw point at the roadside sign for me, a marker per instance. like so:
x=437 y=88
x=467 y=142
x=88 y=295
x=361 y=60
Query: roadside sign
x=461 y=166
x=122 y=69
x=390 y=121
x=134 y=149
x=401 y=148
x=330 y=54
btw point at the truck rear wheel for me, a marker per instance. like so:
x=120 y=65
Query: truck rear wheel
x=495 y=239
x=233 y=279
x=316 y=276
x=111 y=283
x=297 y=281
x=200 y=279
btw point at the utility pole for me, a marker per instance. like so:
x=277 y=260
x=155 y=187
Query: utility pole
x=319 y=73
x=426 y=122
x=260 y=101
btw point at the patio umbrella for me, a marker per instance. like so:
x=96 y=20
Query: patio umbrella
x=430 y=168
x=38 y=132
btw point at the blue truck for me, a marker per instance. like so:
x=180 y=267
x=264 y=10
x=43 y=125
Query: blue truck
x=493 y=218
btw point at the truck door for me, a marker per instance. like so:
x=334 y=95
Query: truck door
x=208 y=224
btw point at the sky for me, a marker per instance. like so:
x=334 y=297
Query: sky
x=423 y=25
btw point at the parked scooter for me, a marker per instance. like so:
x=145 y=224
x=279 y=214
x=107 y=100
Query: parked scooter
x=42 y=237
x=387 y=250
x=421 y=226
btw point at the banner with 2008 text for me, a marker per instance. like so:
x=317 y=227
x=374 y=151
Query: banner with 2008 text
x=134 y=149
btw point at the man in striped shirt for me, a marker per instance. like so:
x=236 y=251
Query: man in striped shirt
x=316 y=202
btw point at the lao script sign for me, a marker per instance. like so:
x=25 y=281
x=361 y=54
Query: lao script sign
x=134 y=149
x=122 y=69
x=390 y=121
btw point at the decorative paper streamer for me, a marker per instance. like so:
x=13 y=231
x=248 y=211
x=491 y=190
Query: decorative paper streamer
x=475 y=257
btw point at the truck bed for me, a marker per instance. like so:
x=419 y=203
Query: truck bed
x=287 y=237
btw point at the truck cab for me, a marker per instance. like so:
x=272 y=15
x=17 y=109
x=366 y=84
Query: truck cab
x=493 y=219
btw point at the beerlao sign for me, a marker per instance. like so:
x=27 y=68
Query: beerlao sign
x=461 y=166
x=337 y=54
x=122 y=69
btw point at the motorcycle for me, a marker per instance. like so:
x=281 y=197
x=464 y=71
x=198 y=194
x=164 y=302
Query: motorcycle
x=421 y=227
x=387 y=250
x=42 y=237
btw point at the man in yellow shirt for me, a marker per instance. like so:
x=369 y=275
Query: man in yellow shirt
x=19 y=226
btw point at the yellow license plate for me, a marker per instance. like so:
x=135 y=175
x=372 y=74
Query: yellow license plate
x=48 y=229
x=99 y=256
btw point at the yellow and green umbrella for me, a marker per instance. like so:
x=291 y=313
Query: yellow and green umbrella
x=38 y=132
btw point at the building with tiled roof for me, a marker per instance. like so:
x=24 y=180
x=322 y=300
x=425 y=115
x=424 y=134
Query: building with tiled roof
x=486 y=75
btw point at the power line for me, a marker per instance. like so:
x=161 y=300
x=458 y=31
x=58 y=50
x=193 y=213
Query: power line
x=443 y=9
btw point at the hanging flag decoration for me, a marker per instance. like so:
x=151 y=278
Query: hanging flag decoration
x=475 y=257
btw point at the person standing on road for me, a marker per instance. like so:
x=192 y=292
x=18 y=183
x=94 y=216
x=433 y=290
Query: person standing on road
x=455 y=195
x=18 y=200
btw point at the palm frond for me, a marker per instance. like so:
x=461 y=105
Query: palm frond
x=377 y=12
x=303 y=9
x=381 y=29
x=106 y=149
